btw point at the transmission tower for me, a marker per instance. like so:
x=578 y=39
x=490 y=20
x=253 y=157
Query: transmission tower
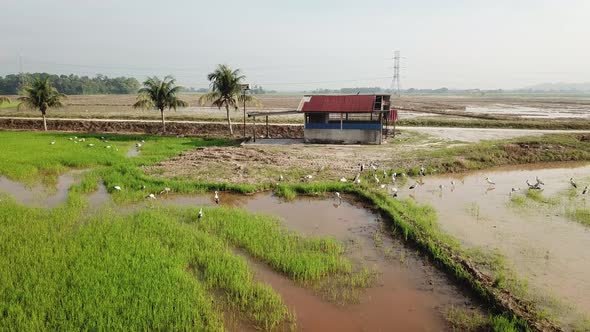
x=395 y=82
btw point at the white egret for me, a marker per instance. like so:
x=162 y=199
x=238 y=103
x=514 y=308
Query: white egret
x=281 y=178
x=200 y=213
x=384 y=174
x=490 y=181
x=52 y=142
x=422 y=170
x=376 y=179
x=343 y=179
x=573 y=183
x=383 y=186
x=151 y=196
x=374 y=167
x=90 y=145
x=107 y=147
x=337 y=195
x=216 y=197
x=138 y=145
x=117 y=188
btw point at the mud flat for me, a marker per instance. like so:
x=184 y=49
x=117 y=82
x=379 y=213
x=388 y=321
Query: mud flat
x=544 y=247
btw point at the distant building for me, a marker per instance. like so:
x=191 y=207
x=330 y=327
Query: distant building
x=345 y=119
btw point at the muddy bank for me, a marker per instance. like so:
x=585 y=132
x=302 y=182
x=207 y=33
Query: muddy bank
x=151 y=128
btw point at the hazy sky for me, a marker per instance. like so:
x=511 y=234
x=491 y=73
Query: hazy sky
x=304 y=44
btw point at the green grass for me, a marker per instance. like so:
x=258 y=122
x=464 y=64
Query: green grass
x=155 y=269
x=30 y=156
x=474 y=321
x=522 y=150
x=581 y=215
x=12 y=104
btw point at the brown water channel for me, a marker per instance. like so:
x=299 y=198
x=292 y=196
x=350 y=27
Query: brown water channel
x=409 y=293
x=546 y=248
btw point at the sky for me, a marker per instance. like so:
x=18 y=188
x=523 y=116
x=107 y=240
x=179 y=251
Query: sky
x=304 y=44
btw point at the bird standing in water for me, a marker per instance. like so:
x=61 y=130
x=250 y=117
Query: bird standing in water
x=573 y=183
x=216 y=197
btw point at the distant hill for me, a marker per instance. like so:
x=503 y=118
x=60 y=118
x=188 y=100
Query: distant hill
x=573 y=87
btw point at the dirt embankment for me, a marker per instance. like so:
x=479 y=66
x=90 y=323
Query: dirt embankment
x=152 y=128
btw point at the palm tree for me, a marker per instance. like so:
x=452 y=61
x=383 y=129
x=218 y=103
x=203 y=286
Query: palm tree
x=159 y=94
x=4 y=100
x=226 y=90
x=41 y=95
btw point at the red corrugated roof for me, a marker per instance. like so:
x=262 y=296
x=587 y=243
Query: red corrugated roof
x=339 y=104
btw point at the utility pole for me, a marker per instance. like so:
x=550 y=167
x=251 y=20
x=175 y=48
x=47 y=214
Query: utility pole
x=244 y=88
x=395 y=82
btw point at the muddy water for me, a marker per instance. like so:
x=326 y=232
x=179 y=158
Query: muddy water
x=532 y=112
x=409 y=294
x=550 y=251
x=39 y=195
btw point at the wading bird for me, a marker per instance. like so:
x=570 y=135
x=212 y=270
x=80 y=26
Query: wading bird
x=535 y=186
x=165 y=191
x=573 y=183
x=441 y=187
x=107 y=147
x=374 y=167
x=414 y=185
x=376 y=179
x=422 y=170
x=151 y=196
x=337 y=195
x=52 y=142
x=281 y=178
x=490 y=181
x=200 y=215
x=138 y=145
x=394 y=192
x=343 y=179
x=384 y=174
x=117 y=188
x=216 y=197
x=90 y=145
x=383 y=186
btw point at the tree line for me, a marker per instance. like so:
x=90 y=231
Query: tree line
x=71 y=84
x=225 y=91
